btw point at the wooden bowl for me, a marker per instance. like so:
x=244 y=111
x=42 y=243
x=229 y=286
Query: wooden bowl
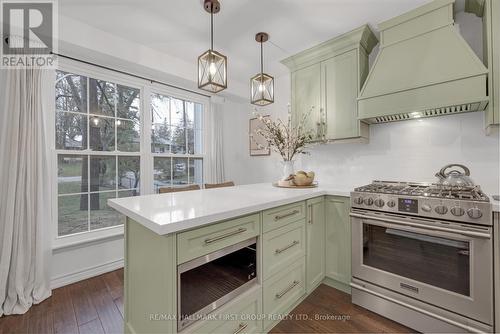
x=303 y=181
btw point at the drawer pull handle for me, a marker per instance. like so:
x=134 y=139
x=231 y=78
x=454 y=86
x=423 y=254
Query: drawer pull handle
x=223 y=236
x=294 y=212
x=282 y=293
x=241 y=328
x=281 y=250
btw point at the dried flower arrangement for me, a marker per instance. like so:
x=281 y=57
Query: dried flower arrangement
x=285 y=138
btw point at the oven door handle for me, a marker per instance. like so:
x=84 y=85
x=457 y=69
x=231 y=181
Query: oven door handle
x=471 y=234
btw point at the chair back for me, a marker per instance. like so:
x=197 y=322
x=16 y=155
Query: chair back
x=165 y=190
x=219 y=185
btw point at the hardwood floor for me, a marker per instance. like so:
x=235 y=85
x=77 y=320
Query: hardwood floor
x=91 y=306
x=328 y=310
x=95 y=306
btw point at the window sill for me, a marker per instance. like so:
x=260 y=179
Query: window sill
x=87 y=239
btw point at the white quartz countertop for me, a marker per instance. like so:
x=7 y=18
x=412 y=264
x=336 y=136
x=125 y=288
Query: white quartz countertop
x=174 y=212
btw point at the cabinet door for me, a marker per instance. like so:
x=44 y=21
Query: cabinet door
x=315 y=233
x=306 y=93
x=495 y=22
x=340 y=77
x=338 y=239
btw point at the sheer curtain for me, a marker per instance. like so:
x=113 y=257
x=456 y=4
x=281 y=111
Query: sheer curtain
x=215 y=168
x=25 y=183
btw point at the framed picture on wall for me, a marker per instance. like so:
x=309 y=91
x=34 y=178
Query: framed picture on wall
x=257 y=140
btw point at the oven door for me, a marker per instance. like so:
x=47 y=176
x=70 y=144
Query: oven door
x=444 y=264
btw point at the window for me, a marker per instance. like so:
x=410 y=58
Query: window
x=103 y=124
x=98 y=150
x=176 y=141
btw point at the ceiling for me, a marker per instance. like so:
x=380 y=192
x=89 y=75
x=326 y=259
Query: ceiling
x=181 y=28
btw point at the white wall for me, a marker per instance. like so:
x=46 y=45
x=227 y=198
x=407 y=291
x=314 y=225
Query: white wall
x=403 y=151
x=411 y=151
x=75 y=263
x=240 y=167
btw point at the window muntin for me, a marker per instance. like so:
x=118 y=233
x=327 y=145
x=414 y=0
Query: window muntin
x=98 y=150
x=176 y=141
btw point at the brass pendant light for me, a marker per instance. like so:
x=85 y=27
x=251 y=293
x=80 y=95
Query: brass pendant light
x=262 y=84
x=212 y=65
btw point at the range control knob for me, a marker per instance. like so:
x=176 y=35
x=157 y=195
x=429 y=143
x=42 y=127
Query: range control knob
x=441 y=209
x=457 y=211
x=391 y=203
x=475 y=213
x=426 y=208
x=368 y=201
x=379 y=202
x=358 y=200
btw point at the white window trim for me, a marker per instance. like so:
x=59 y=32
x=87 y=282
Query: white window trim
x=145 y=154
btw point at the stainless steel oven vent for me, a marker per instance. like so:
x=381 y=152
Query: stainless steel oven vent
x=455 y=109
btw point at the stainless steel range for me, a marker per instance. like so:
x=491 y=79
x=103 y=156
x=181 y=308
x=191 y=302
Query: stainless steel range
x=422 y=255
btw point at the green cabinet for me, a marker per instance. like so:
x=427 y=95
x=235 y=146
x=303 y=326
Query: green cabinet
x=326 y=81
x=300 y=246
x=341 y=86
x=315 y=235
x=338 y=241
x=494 y=114
x=489 y=10
x=306 y=97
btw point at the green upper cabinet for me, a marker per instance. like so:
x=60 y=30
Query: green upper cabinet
x=489 y=10
x=340 y=80
x=325 y=83
x=306 y=85
x=315 y=234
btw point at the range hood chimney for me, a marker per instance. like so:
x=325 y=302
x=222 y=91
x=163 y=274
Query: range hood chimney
x=424 y=68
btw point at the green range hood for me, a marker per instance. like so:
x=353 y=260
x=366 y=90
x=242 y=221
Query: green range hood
x=424 y=68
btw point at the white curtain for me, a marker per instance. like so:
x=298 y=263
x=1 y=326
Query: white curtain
x=25 y=183
x=215 y=168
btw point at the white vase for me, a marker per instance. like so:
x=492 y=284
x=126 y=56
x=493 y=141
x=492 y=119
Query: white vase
x=287 y=169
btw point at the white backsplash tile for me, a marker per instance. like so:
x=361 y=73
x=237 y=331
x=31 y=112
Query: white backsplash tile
x=410 y=151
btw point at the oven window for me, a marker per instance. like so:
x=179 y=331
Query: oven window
x=440 y=262
x=209 y=282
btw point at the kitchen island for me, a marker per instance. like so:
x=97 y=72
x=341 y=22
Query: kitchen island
x=168 y=237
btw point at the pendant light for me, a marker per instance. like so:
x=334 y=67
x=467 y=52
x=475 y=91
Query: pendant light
x=262 y=84
x=212 y=65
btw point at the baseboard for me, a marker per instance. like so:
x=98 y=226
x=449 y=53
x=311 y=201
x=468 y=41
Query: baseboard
x=80 y=275
x=337 y=285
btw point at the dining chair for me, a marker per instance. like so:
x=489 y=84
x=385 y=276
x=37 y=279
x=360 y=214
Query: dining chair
x=219 y=185
x=165 y=190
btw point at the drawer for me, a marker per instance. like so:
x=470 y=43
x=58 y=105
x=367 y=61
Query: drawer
x=205 y=240
x=243 y=315
x=282 y=291
x=283 y=246
x=283 y=215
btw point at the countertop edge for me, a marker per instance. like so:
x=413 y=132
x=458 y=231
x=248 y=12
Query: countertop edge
x=191 y=223
x=208 y=219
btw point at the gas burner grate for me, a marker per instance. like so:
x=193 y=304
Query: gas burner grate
x=433 y=190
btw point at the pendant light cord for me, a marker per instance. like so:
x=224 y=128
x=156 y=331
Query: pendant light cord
x=261 y=59
x=211 y=29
